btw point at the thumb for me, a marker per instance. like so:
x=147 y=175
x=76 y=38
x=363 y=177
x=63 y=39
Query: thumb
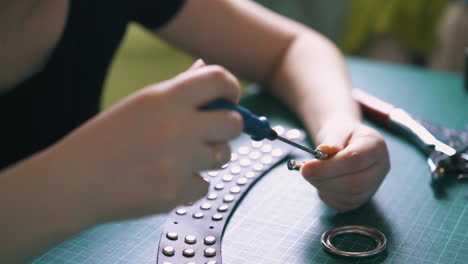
x=335 y=139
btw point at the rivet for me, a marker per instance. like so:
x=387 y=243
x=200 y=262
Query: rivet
x=236 y=170
x=223 y=208
x=217 y=217
x=244 y=162
x=243 y=150
x=188 y=252
x=293 y=134
x=172 y=235
x=198 y=215
x=205 y=206
x=181 y=211
x=169 y=251
x=210 y=240
x=235 y=189
x=255 y=155
x=209 y=252
x=212 y=196
x=190 y=239
x=228 y=198
x=227 y=178
x=242 y=181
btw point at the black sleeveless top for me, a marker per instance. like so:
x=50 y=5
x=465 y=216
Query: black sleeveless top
x=67 y=92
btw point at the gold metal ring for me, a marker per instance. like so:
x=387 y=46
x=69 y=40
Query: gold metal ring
x=374 y=234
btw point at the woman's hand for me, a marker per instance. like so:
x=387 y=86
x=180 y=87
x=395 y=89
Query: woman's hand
x=358 y=164
x=142 y=156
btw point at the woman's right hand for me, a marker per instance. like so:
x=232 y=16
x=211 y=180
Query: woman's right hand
x=142 y=155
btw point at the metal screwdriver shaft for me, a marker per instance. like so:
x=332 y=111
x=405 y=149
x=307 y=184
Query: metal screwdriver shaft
x=259 y=127
x=316 y=152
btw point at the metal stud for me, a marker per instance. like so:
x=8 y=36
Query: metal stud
x=235 y=189
x=277 y=152
x=213 y=173
x=243 y=150
x=257 y=144
x=209 y=252
x=266 y=160
x=212 y=196
x=190 y=239
x=181 y=211
x=172 y=235
x=242 y=181
x=244 y=162
x=227 y=178
x=223 y=208
x=211 y=262
x=191 y=262
x=255 y=155
x=209 y=240
x=250 y=175
x=279 y=130
x=217 y=217
x=236 y=170
x=169 y=251
x=293 y=134
x=167 y=262
x=219 y=186
x=234 y=156
x=198 y=215
x=228 y=198
x=205 y=206
x=258 y=167
x=188 y=252
x=267 y=148
x=225 y=166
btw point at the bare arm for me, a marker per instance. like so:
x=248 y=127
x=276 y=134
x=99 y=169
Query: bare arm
x=307 y=72
x=301 y=67
x=39 y=206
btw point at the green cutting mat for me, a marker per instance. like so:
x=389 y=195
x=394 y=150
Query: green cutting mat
x=281 y=219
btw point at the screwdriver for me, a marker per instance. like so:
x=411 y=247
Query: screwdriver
x=258 y=128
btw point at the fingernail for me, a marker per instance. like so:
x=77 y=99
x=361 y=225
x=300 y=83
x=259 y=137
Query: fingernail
x=197 y=64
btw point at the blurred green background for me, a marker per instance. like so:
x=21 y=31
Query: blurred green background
x=141 y=59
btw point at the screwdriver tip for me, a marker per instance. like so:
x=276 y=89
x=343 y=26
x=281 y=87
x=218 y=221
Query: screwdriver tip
x=321 y=155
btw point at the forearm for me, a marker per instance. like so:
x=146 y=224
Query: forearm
x=311 y=77
x=39 y=208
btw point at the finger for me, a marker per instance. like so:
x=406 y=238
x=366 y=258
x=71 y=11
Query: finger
x=211 y=156
x=334 y=141
x=197 y=64
x=349 y=184
x=332 y=203
x=202 y=85
x=360 y=154
x=198 y=188
x=220 y=126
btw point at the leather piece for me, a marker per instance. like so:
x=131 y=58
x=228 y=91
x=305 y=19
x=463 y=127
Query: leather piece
x=186 y=224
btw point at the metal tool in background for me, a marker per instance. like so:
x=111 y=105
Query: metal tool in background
x=259 y=127
x=442 y=157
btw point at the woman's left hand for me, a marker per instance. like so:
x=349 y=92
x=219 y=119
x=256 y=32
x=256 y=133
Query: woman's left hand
x=357 y=165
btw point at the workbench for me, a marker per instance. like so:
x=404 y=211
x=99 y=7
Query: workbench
x=281 y=219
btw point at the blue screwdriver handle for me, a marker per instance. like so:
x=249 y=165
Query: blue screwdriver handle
x=257 y=127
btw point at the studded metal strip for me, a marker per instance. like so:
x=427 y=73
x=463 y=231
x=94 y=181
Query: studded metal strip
x=192 y=234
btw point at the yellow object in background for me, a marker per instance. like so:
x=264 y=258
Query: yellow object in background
x=412 y=22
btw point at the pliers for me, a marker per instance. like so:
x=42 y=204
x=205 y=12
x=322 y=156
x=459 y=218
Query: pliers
x=442 y=159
